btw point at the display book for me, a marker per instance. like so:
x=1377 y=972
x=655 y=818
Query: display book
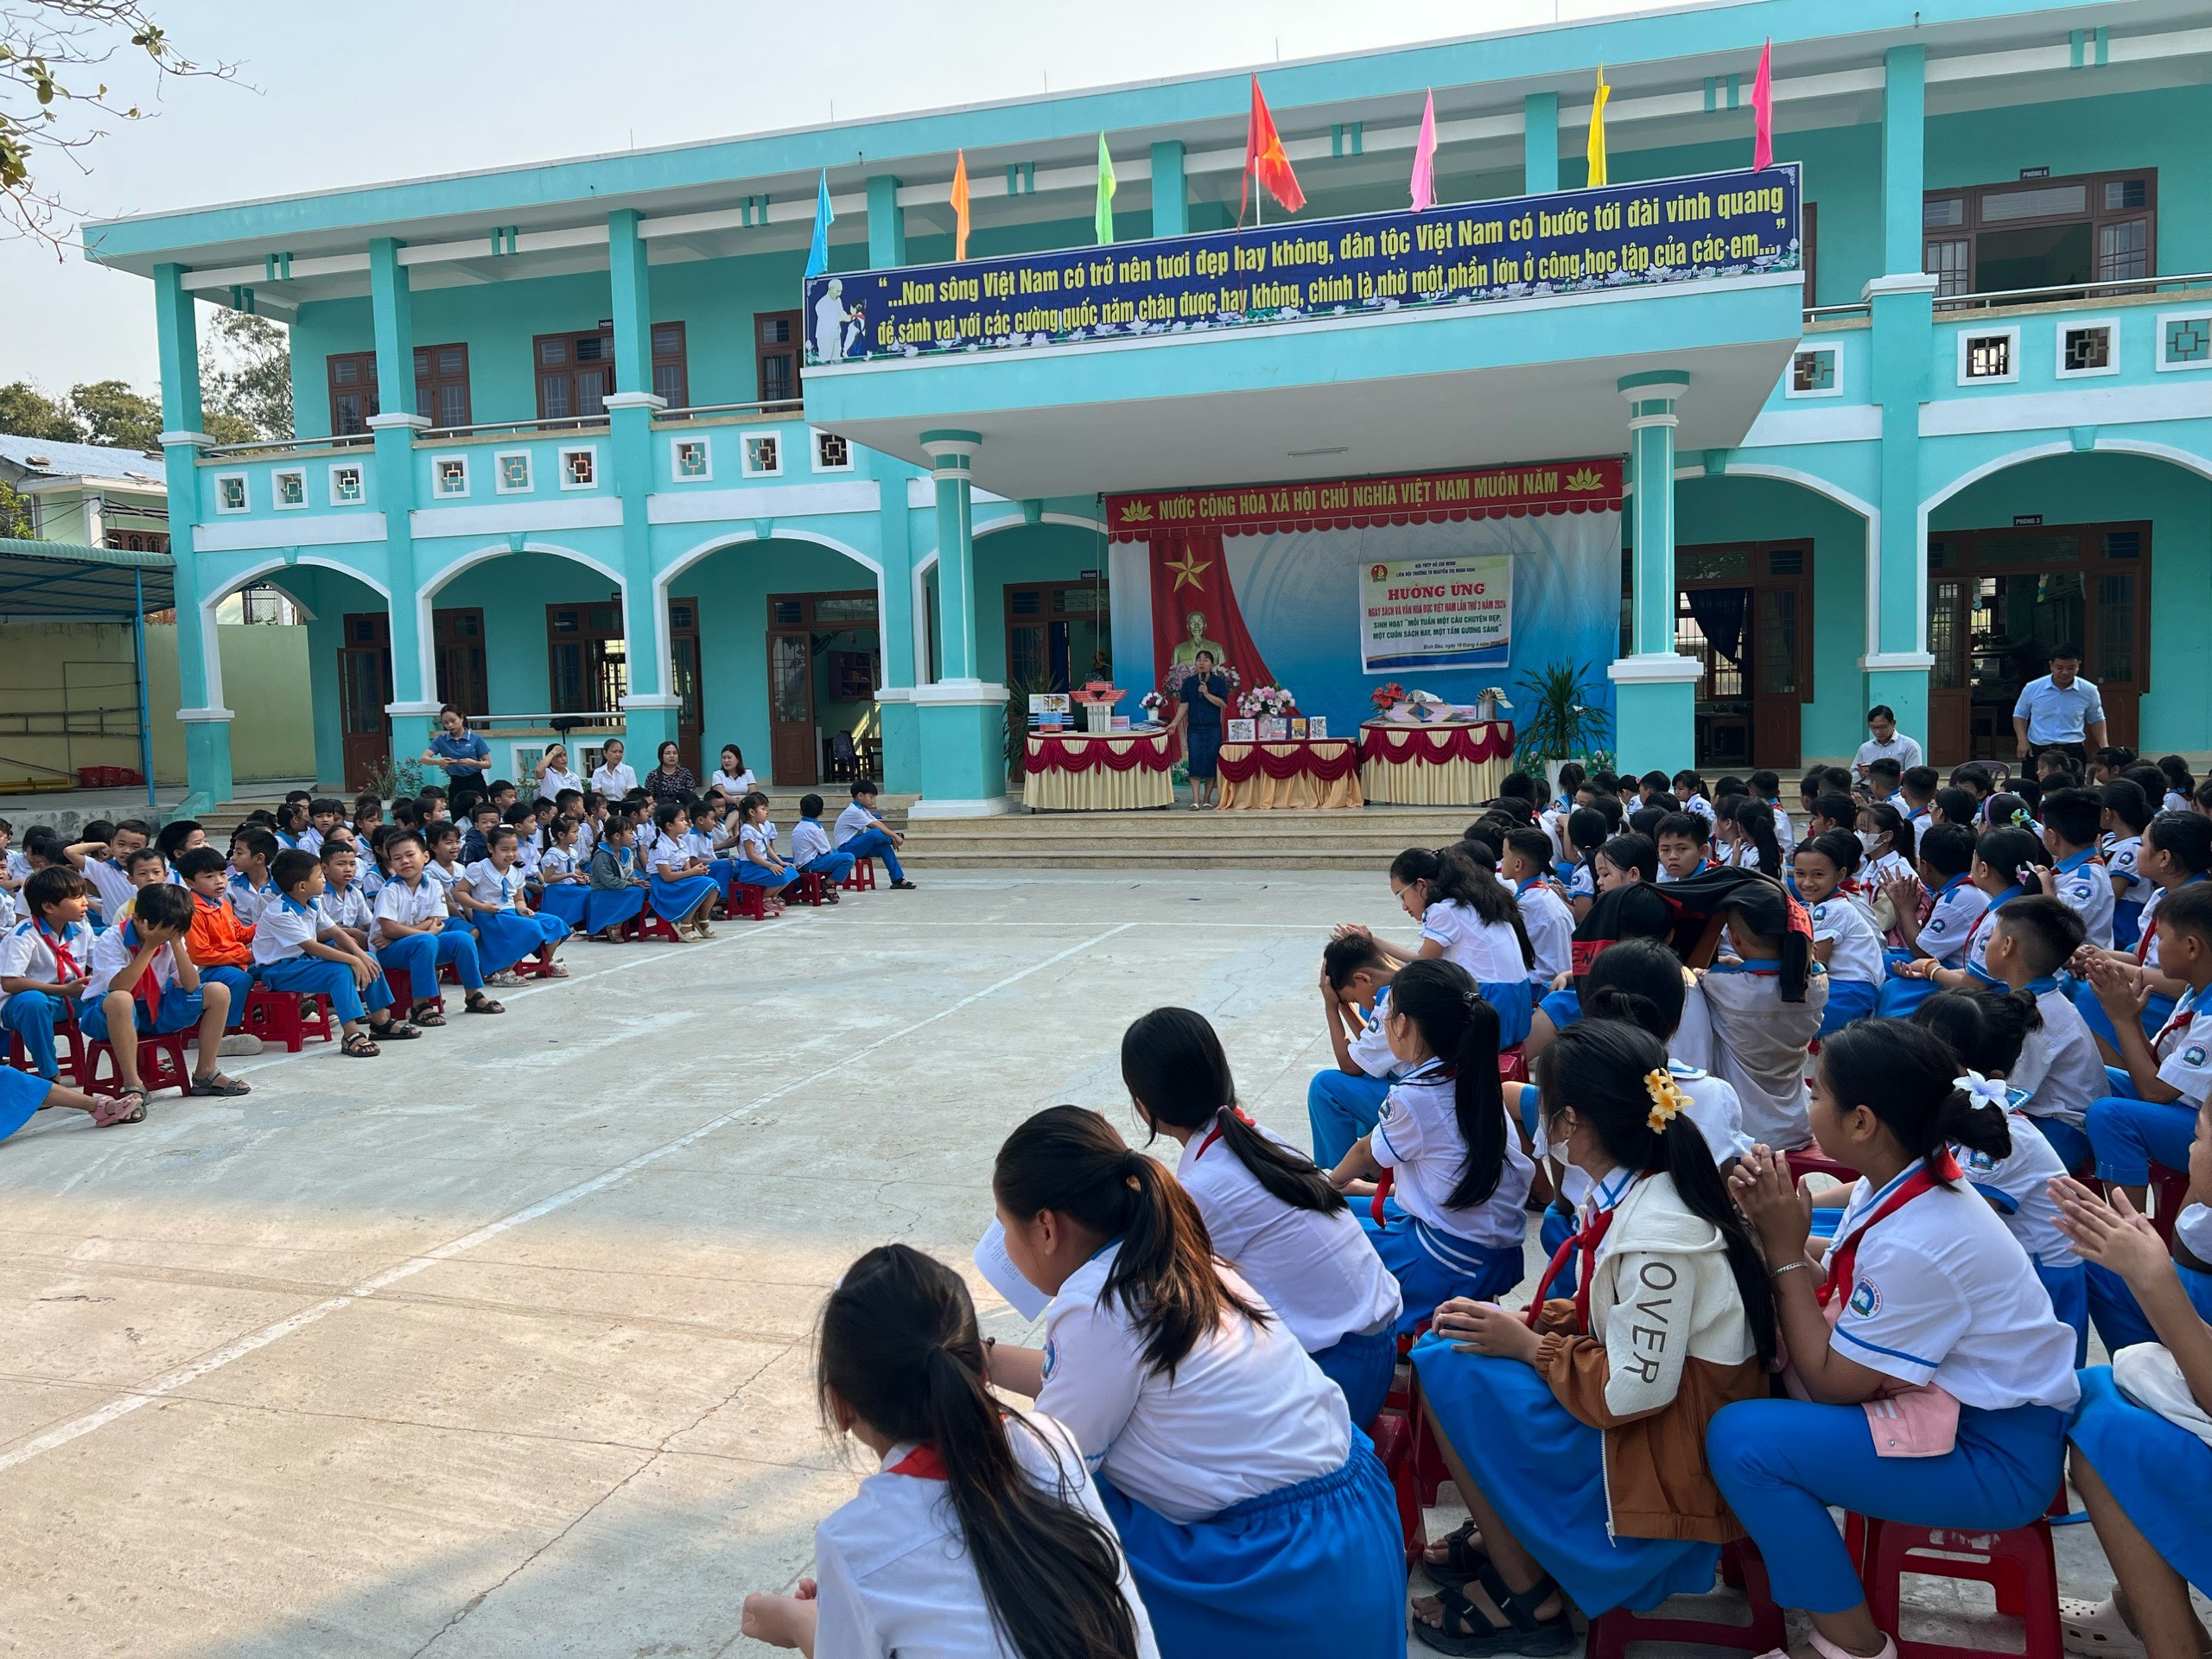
x=1275 y=729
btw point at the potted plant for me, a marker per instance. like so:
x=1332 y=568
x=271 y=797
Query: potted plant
x=1564 y=723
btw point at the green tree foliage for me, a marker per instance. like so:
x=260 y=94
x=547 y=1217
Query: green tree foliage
x=111 y=413
x=245 y=377
x=15 y=515
x=26 y=412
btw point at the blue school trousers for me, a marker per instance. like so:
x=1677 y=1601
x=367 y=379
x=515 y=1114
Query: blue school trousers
x=1362 y=1363
x=1432 y=1266
x=419 y=956
x=2160 y=1473
x=314 y=976
x=239 y=981
x=2128 y=1134
x=180 y=1011
x=1342 y=1110
x=832 y=867
x=759 y=876
x=1314 y=1568
x=20 y=1095
x=2070 y=1142
x=2155 y=1016
x=1780 y=1464
x=1848 y=1000
x=2069 y=1299
x=875 y=843
x=2118 y=1317
x=33 y=1016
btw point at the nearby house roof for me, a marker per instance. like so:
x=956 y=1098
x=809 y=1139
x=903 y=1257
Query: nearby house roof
x=55 y=580
x=44 y=458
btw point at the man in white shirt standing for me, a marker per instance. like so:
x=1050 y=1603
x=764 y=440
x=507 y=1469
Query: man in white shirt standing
x=1886 y=743
x=2060 y=711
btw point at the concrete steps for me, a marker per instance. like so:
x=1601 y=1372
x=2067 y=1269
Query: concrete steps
x=1177 y=837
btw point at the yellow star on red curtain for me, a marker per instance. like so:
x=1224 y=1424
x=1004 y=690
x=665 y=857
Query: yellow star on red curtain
x=1188 y=570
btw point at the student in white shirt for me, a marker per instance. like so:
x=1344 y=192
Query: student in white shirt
x=1946 y=867
x=683 y=893
x=1271 y=1214
x=446 y=868
x=812 y=852
x=980 y=1533
x=1844 y=940
x=508 y=929
x=252 y=851
x=296 y=949
x=416 y=935
x=2059 y=1071
x=553 y=775
x=1465 y=918
x=1933 y=1290
x=43 y=960
x=863 y=835
x=342 y=902
x=1557 y=1436
x=1447 y=1173
x=2123 y=817
x=141 y=983
x=758 y=863
x=1767 y=788
x=733 y=777
x=1343 y=1104
x=564 y=885
x=1254 y=1514
x=2169 y=1075
x=106 y=865
x=1545 y=918
x=611 y=777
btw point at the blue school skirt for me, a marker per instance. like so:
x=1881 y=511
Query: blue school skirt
x=1848 y=1000
x=1362 y=1365
x=567 y=901
x=1563 y=1007
x=1432 y=1266
x=674 y=900
x=2161 y=1475
x=20 y=1095
x=2069 y=1299
x=1515 y=1002
x=1544 y=1472
x=504 y=937
x=1317 y=1569
x=759 y=876
x=611 y=907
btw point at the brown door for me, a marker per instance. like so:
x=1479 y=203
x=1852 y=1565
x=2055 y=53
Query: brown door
x=1777 y=705
x=457 y=642
x=1950 y=696
x=363 y=689
x=777 y=337
x=683 y=661
x=792 y=755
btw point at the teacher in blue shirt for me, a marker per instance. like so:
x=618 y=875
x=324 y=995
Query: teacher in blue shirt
x=1203 y=701
x=2060 y=711
x=466 y=757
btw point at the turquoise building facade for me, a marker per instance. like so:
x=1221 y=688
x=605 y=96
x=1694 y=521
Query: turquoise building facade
x=560 y=455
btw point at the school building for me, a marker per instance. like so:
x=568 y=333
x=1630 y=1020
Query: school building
x=580 y=449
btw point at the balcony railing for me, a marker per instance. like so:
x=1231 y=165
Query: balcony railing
x=280 y=448
x=785 y=410
x=2145 y=288
x=513 y=428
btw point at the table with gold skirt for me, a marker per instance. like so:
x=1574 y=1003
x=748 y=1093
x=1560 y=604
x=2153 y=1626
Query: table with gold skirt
x=1460 y=764
x=1314 y=773
x=1098 y=771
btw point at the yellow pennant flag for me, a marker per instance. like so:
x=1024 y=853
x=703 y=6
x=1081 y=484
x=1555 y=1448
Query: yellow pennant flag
x=1597 y=128
x=960 y=206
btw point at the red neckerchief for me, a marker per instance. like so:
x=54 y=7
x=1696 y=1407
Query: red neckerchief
x=2184 y=1013
x=922 y=1464
x=1214 y=1134
x=1843 y=1255
x=64 y=965
x=148 y=990
x=1586 y=1240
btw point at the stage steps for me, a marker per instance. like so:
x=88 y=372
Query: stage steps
x=1366 y=839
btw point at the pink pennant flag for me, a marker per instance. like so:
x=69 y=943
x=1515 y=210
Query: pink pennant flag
x=1763 y=110
x=1424 y=159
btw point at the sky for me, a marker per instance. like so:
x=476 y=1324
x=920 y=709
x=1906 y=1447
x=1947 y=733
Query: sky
x=407 y=87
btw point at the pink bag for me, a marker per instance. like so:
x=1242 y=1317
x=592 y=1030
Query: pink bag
x=1907 y=1420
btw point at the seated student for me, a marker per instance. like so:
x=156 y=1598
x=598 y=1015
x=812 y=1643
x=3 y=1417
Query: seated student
x=1645 y=822
x=1832 y=810
x=1689 y=795
x=1255 y=1516
x=445 y=868
x=1884 y=781
x=981 y=1532
x=1844 y=941
x=102 y=858
x=2124 y=815
x=863 y=835
x=508 y=929
x=1684 y=840
x=1937 y=945
x=2058 y=1072
x=1889 y=843
x=1446 y=1218
x=1767 y=998
x=476 y=841
x=683 y=893
x=2169 y=1075
x=1758 y=848
x=563 y=881
x=760 y=865
x=2180 y=784
x=1271 y=1214
x=292 y=827
x=342 y=901
x=714 y=839
x=1976 y=779
x=1598 y=1494
x=1465 y=915
x=415 y=934
x=1545 y=918
x=619 y=886
x=1587 y=829
x=1767 y=787
x=220 y=946
x=1933 y=1290
x=43 y=962
x=1918 y=785
x=811 y=853
x=2176 y=853
x=1959 y=806
x=1624 y=860
x=24 y=1094
x=522 y=819
x=2142 y=1461
x=1985 y=1029
x=141 y=982
x=373 y=875
x=1344 y=1105
x=295 y=948
x=2073 y=823
x=368 y=815
x=432 y=801
x=250 y=890
x=143 y=868
x=176 y=838
x=324 y=815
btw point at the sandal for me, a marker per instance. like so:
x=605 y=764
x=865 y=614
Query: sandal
x=360 y=1047
x=129 y=1106
x=426 y=1016
x=552 y=971
x=395 y=1030
x=1464 y=1557
x=1467 y=1630
x=216 y=1083
x=479 y=1003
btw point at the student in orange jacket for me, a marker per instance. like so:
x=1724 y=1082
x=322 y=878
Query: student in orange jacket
x=219 y=944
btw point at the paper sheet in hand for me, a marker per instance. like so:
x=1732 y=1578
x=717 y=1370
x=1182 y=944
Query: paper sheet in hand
x=999 y=1273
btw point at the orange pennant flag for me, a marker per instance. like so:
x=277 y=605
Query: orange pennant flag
x=960 y=206
x=1264 y=160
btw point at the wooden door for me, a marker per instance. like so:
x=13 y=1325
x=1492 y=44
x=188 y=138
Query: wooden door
x=457 y=643
x=683 y=665
x=1950 y=694
x=1776 y=647
x=779 y=341
x=2119 y=628
x=364 y=689
x=792 y=755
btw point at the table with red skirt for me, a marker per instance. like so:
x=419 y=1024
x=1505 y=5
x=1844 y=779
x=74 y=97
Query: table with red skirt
x=1447 y=764
x=1290 y=775
x=1098 y=771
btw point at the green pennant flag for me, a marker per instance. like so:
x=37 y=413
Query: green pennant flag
x=1103 y=217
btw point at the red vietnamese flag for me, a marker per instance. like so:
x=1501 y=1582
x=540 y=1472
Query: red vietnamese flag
x=1763 y=110
x=1264 y=160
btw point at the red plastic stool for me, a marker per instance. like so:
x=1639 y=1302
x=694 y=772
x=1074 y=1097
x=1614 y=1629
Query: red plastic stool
x=1513 y=1064
x=68 y=1047
x=863 y=880
x=649 y=923
x=1393 y=1445
x=275 y=1017
x=1740 y=1567
x=403 y=994
x=811 y=889
x=2018 y=1565
x=749 y=901
x=2169 y=1198
x=1809 y=1162
x=160 y=1066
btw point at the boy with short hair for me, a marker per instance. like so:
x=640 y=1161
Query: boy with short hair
x=100 y=858
x=323 y=816
x=342 y=903
x=476 y=843
x=1683 y=838
x=416 y=935
x=863 y=835
x=220 y=946
x=252 y=851
x=1884 y=778
x=1344 y=1105
x=1523 y=864
x=178 y=838
x=2072 y=824
x=1768 y=787
x=1831 y=809
x=2059 y=1070
x=42 y=961
x=2169 y=1075
x=141 y=981
x=811 y=853
x=297 y=949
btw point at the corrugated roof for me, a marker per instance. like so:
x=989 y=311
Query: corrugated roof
x=80 y=460
x=57 y=579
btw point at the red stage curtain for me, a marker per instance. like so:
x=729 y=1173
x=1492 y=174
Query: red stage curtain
x=1324 y=761
x=1190 y=572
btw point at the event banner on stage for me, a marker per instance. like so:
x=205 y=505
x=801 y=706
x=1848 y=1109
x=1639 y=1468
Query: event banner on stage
x=1451 y=612
x=1649 y=234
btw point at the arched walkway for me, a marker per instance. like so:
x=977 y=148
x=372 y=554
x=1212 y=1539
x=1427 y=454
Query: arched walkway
x=340 y=650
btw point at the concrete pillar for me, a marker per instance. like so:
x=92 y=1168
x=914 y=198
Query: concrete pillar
x=895 y=706
x=649 y=709
x=1654 y=688
x=886 y=225
x=962 y=721
x=414 y=707
x=1171 y=213
x=1898 y=661
x=1540 y=143
x=206 y=723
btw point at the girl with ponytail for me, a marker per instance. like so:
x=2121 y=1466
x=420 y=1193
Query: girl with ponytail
x=980 y=1533
x=1931 y=1382
x=1254 y=1513
x=1577 y=1432
x=1442 y=1177
x=1270 y=1213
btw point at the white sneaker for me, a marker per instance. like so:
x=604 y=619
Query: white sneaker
x=238 y=1042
